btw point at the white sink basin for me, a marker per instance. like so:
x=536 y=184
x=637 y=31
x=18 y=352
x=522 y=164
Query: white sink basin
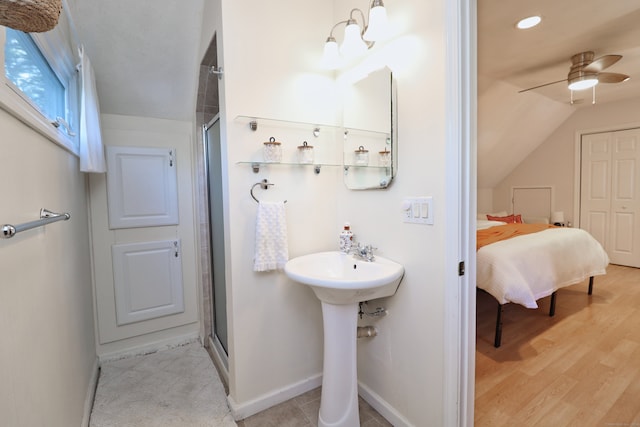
x=339 y=278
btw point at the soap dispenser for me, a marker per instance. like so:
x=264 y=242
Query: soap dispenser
x=346 y=238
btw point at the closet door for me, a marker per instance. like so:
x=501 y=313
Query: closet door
x=595 y=190
x=624 y=238
x=610 y=193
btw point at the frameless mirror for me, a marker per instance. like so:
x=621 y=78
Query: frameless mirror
x=370 y=142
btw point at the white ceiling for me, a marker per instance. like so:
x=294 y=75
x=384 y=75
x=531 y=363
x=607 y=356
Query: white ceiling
x=527 y=58
x=144 y=53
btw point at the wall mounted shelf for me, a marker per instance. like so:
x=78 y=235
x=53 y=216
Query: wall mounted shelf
x=310 y=131
x=316 y=167
x=316 y=129
x=253 y=122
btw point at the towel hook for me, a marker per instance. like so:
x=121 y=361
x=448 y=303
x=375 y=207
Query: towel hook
x=264 y=184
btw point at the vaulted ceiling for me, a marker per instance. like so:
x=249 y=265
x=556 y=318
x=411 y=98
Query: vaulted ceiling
x=510 y=124
x=526 y=58
x=145 y=57
x=144 y=54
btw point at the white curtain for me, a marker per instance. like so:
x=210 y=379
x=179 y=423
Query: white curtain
x=91 y=148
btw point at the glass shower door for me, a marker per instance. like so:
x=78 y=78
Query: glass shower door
x=216 y=231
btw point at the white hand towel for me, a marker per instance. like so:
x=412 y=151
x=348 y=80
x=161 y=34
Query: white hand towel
x=272 y=250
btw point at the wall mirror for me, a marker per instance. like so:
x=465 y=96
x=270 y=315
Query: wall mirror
x=370 y=131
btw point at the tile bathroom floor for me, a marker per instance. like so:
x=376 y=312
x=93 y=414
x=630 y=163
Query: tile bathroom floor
x=180 y=387
x=302 y=411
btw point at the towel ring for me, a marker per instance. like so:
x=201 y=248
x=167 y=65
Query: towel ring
x=264 y=184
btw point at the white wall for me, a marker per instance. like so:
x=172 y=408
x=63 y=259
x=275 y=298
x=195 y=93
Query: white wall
x=269 y=57
x=270 y=53
x=552 y=163
x=509 y=128
x=47 y=356
x=404 y=364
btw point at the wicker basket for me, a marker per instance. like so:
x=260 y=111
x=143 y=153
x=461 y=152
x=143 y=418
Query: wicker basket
x=30 y=16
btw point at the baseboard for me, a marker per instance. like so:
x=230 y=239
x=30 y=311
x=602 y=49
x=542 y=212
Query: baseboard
x=152 y=347
x=91 y=394
x=244 y=410
x=382 y=406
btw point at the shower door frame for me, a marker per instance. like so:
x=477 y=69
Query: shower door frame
x=219 y=349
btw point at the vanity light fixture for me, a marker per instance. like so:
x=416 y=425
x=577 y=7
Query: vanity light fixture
x=357 y=39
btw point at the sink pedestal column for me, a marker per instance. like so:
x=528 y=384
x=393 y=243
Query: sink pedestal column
x=339 y=399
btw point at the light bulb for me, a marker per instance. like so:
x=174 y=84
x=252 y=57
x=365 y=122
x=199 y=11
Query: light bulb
x=331 y=57
x=378 y=24
x=353 y=45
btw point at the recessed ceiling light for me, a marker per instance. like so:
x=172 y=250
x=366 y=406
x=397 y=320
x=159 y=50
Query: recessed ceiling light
x=528 y=22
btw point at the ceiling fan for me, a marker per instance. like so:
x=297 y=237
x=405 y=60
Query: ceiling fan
x=585 y=72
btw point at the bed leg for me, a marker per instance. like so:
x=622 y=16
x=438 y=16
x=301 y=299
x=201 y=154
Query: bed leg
x=552 y=307
x=498 y=338
x=591 y=285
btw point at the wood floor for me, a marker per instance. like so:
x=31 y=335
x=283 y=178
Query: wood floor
x=578 y=368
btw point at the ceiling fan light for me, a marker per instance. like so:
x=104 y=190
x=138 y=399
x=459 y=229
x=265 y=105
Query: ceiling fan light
x=583 y=82
x=528 y=22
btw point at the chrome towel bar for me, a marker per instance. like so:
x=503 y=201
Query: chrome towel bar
x=264 y=184
x=46 y=217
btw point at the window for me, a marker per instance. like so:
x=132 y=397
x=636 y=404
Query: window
x=29 y=71
x=39 y=81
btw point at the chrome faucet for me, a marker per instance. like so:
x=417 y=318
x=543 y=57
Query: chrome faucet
x=364 y=251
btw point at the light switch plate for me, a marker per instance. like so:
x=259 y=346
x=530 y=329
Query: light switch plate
x=417 y=210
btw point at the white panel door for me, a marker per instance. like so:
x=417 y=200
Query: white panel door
x=624 y=239
x=610 y=194
x=595 y=190
x=147 y=280
x=142 y=187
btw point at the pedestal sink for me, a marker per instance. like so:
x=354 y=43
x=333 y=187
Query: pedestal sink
x=341 y=281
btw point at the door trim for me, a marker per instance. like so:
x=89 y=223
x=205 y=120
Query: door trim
x=461 y=113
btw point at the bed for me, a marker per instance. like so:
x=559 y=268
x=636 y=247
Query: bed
x=521 y=263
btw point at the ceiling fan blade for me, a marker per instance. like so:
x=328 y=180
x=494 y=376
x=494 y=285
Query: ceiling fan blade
x=546 y=84
x=601 y=63
x=612 y=77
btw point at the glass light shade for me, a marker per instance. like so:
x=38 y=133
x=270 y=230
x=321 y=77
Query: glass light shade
x=331 y=56
x=583 y=83
x=353 y=45
x=378 y=24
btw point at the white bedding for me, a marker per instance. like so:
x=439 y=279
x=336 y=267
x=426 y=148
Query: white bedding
x=526 y=268
x=481 y=224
